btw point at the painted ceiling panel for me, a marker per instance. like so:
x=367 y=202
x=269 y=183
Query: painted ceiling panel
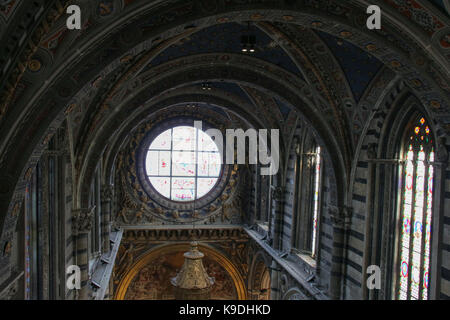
x=359 y=66
x=227 y=38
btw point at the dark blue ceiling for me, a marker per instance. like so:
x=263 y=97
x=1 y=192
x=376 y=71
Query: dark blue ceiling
x=359 y=66
x=284 y=108
x=227 y=38
x=228 y=87
x=232 y=88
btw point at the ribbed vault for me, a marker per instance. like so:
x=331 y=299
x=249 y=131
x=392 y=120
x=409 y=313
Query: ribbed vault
x=107 y=85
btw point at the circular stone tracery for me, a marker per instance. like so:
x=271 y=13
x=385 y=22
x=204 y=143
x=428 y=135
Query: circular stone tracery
x=183 y=163
x=202 y=204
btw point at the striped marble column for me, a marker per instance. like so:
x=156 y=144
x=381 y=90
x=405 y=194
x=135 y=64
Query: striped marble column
x=341 y=219
x=82 y=224
x=277 y=200
x=106 y=199
x=274 y=281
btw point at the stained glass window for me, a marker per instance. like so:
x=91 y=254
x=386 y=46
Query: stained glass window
x=416 y=185
x=316 y=199
x=183 y=163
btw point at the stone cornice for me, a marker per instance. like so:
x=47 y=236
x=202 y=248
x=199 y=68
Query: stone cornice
x=177 y=233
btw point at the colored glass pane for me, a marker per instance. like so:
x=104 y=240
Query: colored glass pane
x=177 y=158
x=316 y=200
x=416 y=183
x=162 y=142
x=204 y=185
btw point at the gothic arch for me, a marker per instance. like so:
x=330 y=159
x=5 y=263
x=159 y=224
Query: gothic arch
x=383 y=156
x=151 y=89
x=43 y=108
x=291 y=13
x=185 y=97
x=294 y=294
x=145 y=258
x=259 y=276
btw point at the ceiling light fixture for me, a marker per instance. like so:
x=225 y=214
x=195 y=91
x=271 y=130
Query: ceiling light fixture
x=248 y=41
x=193 y=282
x=206 y=86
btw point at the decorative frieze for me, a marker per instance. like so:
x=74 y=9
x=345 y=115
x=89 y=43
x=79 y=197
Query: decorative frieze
x=184 y=234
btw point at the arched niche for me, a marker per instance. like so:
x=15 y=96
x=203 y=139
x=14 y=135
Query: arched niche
x=164 y=261
x=259 y=278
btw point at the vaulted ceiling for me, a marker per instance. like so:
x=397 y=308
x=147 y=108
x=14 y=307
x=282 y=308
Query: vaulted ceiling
x=314 y=60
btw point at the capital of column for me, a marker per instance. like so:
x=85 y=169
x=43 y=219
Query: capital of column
x=341 y=216
x=442 y=153
x=106 y=193
x=277 y=193
x=82 y=220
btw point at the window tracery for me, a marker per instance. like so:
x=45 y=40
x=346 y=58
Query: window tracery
x=183 y=163
x=416 y=209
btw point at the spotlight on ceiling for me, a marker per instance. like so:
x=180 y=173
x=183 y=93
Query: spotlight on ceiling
x=206 y=86
x=244 y=41
x=248 y=41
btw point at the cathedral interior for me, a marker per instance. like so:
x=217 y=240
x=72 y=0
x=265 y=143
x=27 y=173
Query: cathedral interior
x=109 y=190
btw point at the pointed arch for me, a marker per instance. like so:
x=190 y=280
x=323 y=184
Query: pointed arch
x=414 y=210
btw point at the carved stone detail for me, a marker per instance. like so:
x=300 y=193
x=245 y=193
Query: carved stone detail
x=442 y=154
x=277 y=193
x=82 y=220
x=155 y=235
x=372 y=151
x=341 y=216
x=106 y=193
